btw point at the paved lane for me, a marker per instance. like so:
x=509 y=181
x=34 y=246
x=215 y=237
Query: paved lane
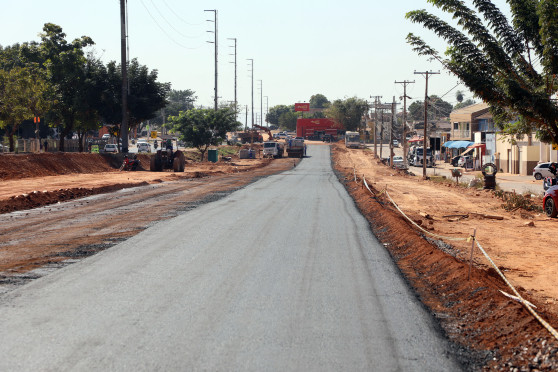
x=281 y=275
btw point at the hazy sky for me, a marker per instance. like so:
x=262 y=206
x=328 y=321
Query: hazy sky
x=300 y=48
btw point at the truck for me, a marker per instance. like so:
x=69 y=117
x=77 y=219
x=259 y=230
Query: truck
x=352 y=140
x=273 y=149
x=295 y=147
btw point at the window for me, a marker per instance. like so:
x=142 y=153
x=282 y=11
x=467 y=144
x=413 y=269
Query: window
x=456 y=126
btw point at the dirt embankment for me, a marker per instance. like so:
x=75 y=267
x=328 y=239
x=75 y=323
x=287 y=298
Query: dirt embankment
x=497 y=331
x=34 y=180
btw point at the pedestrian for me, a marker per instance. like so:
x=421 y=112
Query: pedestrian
x=46 y=145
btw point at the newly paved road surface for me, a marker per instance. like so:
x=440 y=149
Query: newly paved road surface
x=283 y=275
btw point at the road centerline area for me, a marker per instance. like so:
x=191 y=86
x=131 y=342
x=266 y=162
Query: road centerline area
x=282 y=275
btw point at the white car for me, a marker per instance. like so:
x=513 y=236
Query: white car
x=541 y=171
x=144 y=147
x=105 y=136
x=110 y=147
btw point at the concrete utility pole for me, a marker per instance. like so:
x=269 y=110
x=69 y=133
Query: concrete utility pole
x=216 y=52
x=425 y=137
x=235 y=97
x=404 y=135
x=252 y=71
x=261 y=102
x=376 y=99
x=266 y=110
x=124 y=63
x=246 y=122
x=393 y=109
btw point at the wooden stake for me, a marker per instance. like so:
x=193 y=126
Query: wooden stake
x=472 y=249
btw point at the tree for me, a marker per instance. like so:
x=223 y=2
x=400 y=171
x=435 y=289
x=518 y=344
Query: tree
x=177 y=100
x=497 y=60
x=467 y=102
x=145 y=97
x=437 y=108
x=202 y=128
x=459 y=96
x=275 y=112
x=65 y=66
x=287 y=120
x=348 y=112
x=22 y=97
x=319 y=101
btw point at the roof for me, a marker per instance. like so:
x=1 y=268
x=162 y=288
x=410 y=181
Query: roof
x=471 y=109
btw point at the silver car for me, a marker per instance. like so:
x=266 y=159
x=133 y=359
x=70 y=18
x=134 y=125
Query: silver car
x=541 y=171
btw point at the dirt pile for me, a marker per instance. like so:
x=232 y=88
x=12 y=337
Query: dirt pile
x=497 y=331
x=17 y=166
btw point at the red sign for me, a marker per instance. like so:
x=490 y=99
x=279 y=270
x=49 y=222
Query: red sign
x=302 y=107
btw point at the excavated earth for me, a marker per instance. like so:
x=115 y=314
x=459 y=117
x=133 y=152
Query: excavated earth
x=494 y=331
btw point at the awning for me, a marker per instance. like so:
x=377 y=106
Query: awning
x=415 y=139
x=477 y=145
x=458 y=144
x=447 y=143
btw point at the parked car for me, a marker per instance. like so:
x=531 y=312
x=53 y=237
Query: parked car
x=541 y=171
x=144 y=147
x=110 y=147
x=550 y=201
x=395 y=143
x=105 y=136
x=398 y=162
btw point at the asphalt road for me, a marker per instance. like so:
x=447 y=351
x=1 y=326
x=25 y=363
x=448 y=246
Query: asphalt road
x=282 y=275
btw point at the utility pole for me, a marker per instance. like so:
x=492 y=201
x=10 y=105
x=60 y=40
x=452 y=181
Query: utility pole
x=266 y=110
x=252 y=71
x=376 y=99
x=261 y=102
x=216 y=52
x=425 y=138
x=124 y=64
x=404 y=136
x=393 y=109
x=246 y=122
x=235 y=97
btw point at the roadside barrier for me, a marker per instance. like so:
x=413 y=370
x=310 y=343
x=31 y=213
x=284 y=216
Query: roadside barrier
x=529 y=306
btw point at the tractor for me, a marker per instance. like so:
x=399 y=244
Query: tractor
x=167 y=159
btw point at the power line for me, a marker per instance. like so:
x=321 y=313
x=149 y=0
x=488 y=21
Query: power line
x=163 y=30
x=170 y=25
x=180 y=18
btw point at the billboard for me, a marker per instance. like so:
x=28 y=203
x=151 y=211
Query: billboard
x=302 y=107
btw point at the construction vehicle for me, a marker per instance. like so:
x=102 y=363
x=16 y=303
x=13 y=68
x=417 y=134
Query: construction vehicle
x=295 y=147
x=249 y=136
x=265 y=129
x=273 y=149
x=167 y=159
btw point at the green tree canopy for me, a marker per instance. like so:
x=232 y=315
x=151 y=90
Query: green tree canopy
x=319 y=101
x=467 y=102
x=201 y=128
x=275 y=112
x=22 y=97
x=437 y=108
x=287 y=120
x=497 y=59
x=348 y=112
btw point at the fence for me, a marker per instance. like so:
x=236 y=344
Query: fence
x=25 y=146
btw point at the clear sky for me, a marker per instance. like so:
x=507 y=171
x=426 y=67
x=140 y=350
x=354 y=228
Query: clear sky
x=300 y=47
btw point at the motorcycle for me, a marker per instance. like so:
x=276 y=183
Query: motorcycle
x=130 y=164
